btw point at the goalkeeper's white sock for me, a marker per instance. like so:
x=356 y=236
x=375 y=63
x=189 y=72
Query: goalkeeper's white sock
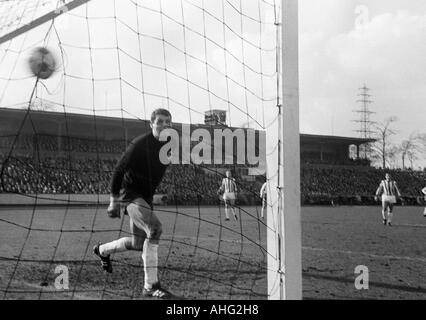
x=114 y=246
x=384 y=214
x=150 y=260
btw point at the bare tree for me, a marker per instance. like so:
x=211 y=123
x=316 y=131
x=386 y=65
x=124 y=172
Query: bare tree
x=411 y=157
x=421 y=138
x=392 y=156
x=382 y=148
x=409 y=149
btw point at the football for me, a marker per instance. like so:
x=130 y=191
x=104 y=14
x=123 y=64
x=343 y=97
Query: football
x=42 y=62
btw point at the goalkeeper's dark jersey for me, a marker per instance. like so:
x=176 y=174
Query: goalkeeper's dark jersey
x=139 y=170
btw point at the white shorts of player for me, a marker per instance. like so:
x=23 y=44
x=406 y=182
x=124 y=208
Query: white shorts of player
x=229 y=196
x=390 y=199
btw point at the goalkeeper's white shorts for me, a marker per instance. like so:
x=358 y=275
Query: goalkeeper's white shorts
x=389 y=199
x=229 y=196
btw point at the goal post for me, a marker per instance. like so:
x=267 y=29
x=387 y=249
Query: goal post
x=291 y=149
x=283 y=161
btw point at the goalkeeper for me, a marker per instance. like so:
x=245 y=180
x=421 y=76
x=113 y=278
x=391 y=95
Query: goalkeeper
x=139 y=172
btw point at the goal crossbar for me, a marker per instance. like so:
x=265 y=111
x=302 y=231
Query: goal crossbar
x=43 y=19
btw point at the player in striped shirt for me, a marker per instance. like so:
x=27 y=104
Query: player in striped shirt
x=229 y=189
x=389 y=191
x=424 y=192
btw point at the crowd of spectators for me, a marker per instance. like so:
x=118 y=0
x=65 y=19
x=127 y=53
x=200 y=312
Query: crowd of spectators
x=183 y=184
x=355 y=184
x=49 y=143
x=307 y=160
x=86 y=172
x=54 y=175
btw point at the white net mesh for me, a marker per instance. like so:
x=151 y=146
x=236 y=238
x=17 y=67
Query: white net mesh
x=117 y=62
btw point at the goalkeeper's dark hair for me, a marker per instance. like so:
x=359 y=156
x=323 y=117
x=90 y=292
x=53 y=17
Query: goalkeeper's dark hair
x=160 y=111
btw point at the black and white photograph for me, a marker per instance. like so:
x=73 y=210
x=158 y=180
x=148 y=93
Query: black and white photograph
x=237 y=151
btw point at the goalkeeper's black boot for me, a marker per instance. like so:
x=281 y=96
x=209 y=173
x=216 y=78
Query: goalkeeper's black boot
x=105 y=261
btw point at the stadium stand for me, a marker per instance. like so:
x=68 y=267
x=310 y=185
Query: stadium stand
x=183 y=184
x=190 y=185
x=46 y=163
x=325 y=184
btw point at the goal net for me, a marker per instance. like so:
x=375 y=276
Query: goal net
x=216 y=66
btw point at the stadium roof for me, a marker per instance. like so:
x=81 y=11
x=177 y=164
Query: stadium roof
x=9 y=114
x=333 y=139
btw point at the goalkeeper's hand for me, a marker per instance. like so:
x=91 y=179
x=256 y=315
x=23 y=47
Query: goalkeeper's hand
x=114 y=207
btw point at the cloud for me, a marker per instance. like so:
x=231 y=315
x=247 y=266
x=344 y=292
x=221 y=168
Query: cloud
x=387 y=54
x=390 y=44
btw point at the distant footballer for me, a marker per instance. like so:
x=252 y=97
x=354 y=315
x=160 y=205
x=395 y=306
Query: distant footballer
x=229 y=190
x=389 y=192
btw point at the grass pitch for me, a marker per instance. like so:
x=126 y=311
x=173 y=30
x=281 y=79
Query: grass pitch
x=204 y=257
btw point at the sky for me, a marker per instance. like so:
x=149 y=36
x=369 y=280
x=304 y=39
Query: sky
x=220 y=51
x=346 y=44
x=222 y=59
